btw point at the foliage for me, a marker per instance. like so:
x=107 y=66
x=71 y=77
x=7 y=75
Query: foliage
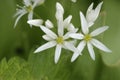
x=23 y=40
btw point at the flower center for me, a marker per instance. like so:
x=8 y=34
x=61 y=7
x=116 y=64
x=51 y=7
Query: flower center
x=60 y=40
x=29 y=8
x=87 y=37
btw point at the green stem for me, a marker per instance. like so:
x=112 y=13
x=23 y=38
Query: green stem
x=36 y=15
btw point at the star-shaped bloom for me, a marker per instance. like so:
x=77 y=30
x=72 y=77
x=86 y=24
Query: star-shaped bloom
x=88 y=39
x=60 y=40
x=28 y=7
x=92 y=14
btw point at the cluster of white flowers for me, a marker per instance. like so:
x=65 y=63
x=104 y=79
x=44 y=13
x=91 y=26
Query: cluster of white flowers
x=28 y=7
x=60 y=40
x=66 y=39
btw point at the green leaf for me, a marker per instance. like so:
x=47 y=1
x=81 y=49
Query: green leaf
x=42 y=66
x=14 y=69
x=110 y=72
x=85 y=68
x=112 y=36
x=3 y=66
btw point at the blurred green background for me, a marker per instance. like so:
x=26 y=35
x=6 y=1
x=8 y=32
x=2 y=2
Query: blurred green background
x=23 y=40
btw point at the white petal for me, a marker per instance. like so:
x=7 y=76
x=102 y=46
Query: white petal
x=41 y=2
x=100 y=46
x=99 y=31
x=19 y=12
x=18 y=18
x=30 y=15
x=90 y=14
x=37 y=2
x=59 y=17
x=74 y=57
x=91 y=18
x=66 y=36
x=73 y=42
x=35 y=22
x=48 y=24
x=74 y=1
x=71 y=28
x=59 y=11
x=97 y=10
x=60 y=28
x=81 y=46
x=70 y=46
x=89 y=9
x=67 y=21
x=46 y=37
x=90 y=23
x=77 y=35
x=27 y=2
x=45 y=46
x=84 y=24
x=57 y=52
x=48 y=32
x=59 y=7
x=91 y=51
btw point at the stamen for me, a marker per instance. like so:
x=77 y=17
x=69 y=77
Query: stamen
x=29 y=8
x=60 y=40
x=87 y=37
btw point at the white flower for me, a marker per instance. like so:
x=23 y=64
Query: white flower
x=87 y=39
x=27 y=8
x=74 y=1
x=59 y=40
x=92 y=14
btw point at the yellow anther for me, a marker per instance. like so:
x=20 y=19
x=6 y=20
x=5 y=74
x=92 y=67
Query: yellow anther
x=29 y=8
x=60 y=40
x=87 y=37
